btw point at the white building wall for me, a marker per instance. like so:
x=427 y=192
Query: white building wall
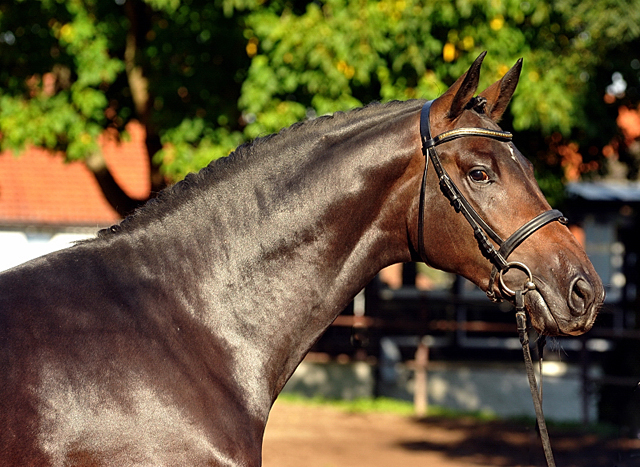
x=16 y=247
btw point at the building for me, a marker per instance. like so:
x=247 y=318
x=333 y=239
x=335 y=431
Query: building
x=46 y=204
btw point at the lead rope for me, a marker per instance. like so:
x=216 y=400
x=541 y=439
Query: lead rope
x=541 y=342
x=521 y=320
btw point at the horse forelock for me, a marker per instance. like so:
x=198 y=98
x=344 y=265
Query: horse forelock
x=293 y=141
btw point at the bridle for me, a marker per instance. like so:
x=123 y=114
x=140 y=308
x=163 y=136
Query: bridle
x=482 y=232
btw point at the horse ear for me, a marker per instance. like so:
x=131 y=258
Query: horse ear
x=499 y=93
x=454 y=100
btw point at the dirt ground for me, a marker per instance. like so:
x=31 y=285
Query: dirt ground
x=300 y=435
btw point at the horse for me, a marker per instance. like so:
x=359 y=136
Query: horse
x=166 y=339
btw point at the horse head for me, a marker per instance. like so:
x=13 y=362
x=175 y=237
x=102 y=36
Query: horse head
x=498 y=183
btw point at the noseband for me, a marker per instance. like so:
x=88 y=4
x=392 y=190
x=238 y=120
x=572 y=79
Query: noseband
x=498 y=257
x=481 y=230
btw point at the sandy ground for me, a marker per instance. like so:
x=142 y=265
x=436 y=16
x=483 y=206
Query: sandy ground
x=300 y=435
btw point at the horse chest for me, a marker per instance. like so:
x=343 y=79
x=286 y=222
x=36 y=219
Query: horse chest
x=81 y=420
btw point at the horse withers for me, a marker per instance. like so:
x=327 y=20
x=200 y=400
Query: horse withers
x=166 y=339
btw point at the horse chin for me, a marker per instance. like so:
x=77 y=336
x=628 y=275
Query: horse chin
x=541 y=316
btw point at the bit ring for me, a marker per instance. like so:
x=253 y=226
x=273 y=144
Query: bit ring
x=528 y=285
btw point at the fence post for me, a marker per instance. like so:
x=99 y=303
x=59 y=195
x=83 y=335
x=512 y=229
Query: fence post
x=420 y=395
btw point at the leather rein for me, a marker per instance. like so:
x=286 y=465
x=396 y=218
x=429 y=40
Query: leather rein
x=483 y=232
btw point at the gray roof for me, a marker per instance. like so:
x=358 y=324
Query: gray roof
x=605 y=191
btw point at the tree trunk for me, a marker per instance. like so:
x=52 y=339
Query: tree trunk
x=113 y=193
x=139 y=86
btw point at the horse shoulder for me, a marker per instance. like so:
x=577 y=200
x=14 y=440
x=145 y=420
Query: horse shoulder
x=79 y=383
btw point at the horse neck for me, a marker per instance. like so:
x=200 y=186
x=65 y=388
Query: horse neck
x=284 y=242
x=325 y=232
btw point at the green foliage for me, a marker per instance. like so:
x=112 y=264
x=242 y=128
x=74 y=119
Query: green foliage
x=312 y=59
x=215 y=74
x=358 y=405
x=59 y=113
x=192 y=145
x=68 y=70
x=344 y=54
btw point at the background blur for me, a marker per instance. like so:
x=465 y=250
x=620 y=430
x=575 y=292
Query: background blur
x=105 y=102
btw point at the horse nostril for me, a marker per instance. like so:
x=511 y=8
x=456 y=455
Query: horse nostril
x=580 y=297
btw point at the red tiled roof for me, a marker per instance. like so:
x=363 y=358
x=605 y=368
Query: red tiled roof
x=39 y=188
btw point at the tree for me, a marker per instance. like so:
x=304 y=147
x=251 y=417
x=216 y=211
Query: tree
x=312 y=59
x=203 y=77
x=71 y=70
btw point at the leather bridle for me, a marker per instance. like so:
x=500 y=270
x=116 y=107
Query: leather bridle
x=498 y=257
x=481 y=230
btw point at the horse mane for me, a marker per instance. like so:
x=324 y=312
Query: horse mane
x=173 y=197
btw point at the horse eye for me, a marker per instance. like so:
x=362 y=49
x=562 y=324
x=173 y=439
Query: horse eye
x=479 y=175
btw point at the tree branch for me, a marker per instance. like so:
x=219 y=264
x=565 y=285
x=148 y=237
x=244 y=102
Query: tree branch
x=113 y=193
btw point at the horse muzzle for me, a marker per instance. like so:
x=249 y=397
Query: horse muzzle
x=570 y=310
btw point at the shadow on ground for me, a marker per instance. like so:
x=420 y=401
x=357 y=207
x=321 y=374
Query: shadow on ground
x=516 y=444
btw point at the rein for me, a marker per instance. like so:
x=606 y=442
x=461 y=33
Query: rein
x=483 y=232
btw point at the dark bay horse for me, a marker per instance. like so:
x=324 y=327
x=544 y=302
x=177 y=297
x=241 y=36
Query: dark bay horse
x=165 y=340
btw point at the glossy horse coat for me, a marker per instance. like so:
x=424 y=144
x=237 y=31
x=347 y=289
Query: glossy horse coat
x=165 y=340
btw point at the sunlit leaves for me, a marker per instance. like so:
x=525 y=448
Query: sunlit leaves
x=67 y=68
x=64 y=105
x=193 y=144
x=224 y=72
x=337 y=54
x=344 y=54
